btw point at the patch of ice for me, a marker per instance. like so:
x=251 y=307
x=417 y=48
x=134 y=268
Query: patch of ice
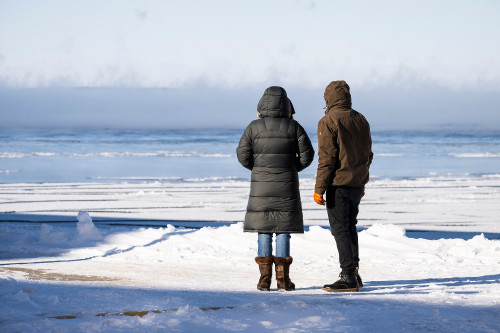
x=22 y=155
x=9 y=171
x=11 y=155
x=386 y=231
x=268 y=325
x=150 y=154
x=116 y=154
x=388 y=155
x=476 y=155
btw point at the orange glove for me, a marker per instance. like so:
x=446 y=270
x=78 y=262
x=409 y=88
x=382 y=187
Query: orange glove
x=318 y=198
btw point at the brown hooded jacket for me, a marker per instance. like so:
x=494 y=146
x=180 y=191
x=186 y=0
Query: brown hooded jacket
x=344 y=142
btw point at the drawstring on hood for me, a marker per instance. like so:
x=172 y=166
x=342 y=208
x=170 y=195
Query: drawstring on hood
x=337 y=95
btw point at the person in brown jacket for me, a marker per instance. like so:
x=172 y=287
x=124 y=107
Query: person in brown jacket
x=345 y=155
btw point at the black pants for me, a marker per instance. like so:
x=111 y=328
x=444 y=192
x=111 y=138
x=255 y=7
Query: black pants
x=342 y=206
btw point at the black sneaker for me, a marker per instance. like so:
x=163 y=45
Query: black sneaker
x=360 y=282
x=346 y=283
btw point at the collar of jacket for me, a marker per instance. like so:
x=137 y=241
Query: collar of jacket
x=337 y=109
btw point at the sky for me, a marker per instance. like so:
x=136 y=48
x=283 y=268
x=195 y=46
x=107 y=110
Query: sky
x=167 y=64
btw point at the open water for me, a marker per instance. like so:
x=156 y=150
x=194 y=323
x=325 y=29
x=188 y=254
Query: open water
x=56 y=155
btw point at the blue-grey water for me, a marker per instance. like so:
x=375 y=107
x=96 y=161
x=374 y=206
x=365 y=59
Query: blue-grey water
x=56 y=155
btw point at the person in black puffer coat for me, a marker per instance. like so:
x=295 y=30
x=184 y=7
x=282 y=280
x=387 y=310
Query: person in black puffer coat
x=275 y=147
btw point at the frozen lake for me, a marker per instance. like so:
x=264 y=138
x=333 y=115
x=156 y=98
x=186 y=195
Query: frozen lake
x=163 y=249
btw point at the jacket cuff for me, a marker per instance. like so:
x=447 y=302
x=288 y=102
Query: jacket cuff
x=319 y=189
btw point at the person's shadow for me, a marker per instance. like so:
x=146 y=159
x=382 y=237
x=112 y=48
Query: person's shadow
x=414 y=286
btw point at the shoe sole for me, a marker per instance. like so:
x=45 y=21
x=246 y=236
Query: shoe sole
x=340 y=290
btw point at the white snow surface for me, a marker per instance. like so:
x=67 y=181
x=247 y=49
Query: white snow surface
x=86 y=229
x=65 y=271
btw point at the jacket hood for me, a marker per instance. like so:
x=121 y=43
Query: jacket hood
x=275 y=104
x=338 y=95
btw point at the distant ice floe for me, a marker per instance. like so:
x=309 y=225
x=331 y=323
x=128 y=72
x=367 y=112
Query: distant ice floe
x=9 y=171
x=476 y=155
x=4 y=155
x=176 y=179
x=150 y=154
x=491 y=176
x=389 y=155
x=22 y=155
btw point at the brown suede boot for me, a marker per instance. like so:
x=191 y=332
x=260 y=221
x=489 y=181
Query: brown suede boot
x=266 y=272
x=282 y=266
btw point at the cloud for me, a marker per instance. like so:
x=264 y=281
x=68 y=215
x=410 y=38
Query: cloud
x=279 y=69
x=296 y=47
x=306 y=4
x=201 y=106
x=68 y=44
x=312 y=5
x=141 y=14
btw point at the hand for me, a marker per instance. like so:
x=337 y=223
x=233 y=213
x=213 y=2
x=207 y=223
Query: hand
x=363 y=194
x=318 y=198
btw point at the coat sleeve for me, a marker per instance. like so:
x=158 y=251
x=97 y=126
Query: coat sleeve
x=306 y=150
x=244 y=152
x=327 y=156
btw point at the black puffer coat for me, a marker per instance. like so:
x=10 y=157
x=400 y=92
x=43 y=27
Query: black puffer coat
x=275 y=147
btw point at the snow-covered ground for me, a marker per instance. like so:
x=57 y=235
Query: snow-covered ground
x=465 y=203
x=61 y=271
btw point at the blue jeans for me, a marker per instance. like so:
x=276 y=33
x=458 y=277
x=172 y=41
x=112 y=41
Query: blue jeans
x=265 y=242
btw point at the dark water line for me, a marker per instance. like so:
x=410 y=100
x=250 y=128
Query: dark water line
x=193 y=224
x=439 y=234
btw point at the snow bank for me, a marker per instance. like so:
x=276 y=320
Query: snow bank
x=204 y=280
x=176 y=279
